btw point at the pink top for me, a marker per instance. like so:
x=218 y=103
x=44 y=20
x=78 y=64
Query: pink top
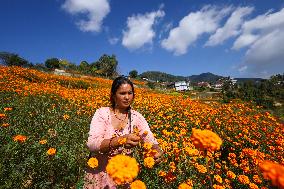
x=100 y=129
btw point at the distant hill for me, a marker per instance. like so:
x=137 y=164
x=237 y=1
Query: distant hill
x=241 y=80
x=164 y=77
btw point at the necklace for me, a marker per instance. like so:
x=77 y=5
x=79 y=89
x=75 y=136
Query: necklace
x=118 y=117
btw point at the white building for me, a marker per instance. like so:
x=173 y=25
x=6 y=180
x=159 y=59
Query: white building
x=182 y=86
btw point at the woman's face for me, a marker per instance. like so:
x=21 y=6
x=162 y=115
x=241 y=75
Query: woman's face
x=123 y=96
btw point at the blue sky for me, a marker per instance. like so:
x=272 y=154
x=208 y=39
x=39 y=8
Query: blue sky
x=186 y=37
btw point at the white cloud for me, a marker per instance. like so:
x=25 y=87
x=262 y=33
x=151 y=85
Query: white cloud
x=140 y=29
x=231 y=28
x=254 y=29
x=264 y=37
x=113 y=40
x=265 y=57
x=192 y=26
x=94 y=10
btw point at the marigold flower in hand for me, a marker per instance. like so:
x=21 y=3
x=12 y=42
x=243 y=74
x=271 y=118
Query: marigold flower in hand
x=51 y=151
x=19 y=138
x=205 y=139
x=184 y=186
x=93 y=162
x=122 y=169
x=149 y=162
x=122 y=141
x=138 y=184
x=274 y=172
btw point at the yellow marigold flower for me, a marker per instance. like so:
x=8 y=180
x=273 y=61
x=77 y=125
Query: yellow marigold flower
x=253 y=186
x=231 y=175
x=51 y=151
x=43 y=141
x=65 y=116
x=122 y=169
x=216 y=186
x=184 y=186
x=191 y=151
x=147 y=146
x=205 y=139
x=200 y=168
x=19 y=138
x=138 y=184
x=243 y=179
x=218 y=178
x=93 y=162
x=122 y=141
x=162 y=173
x=149 y=162
x=274 y=172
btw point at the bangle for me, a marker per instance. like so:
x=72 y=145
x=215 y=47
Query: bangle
x=109 y=144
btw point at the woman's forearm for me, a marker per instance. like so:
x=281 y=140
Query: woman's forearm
x=108 y=144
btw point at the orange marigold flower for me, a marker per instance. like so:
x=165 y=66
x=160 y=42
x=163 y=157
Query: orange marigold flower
x=138 y=184
x=93 y=162
x=218 y=178
x=5 y=124
x=200 y=168
x=7 y=109
x=2 y=116
x=149 y=162
x=122 y=140
x=256 y=179
x=243 y=179
x=122 y=169
x=231 y=175
x=253 y=186
x=274 y=172
x=205 y=139
x=51 y=151
x=43 y=141
x=19 y=138
x=216 y=186
x=162 y=173
x=184 y=186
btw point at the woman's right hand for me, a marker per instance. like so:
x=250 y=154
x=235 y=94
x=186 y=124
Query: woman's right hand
x=131 y=140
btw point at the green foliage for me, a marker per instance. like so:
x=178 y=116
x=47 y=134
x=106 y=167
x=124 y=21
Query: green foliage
x=27 y=164
x=52 y=63
x=106 y=65
x=11 y=59
x=133 y=74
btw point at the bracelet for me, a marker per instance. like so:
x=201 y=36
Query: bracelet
x=109 y=144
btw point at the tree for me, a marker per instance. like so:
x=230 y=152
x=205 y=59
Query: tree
x=52 y=63
x=11 y=59
x=133 y=73
x=106 y=65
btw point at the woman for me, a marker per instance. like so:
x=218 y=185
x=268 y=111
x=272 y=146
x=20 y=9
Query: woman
x=109 y=126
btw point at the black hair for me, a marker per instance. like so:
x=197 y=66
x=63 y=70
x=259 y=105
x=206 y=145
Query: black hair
x=117 y=82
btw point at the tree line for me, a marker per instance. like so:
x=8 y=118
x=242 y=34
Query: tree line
x=106 y=65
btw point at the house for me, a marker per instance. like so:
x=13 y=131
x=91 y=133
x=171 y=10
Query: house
x=203 y=84
x=182 y=86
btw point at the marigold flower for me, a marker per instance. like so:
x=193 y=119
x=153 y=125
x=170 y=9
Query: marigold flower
x=205 y=139
x=149 y=162
x=5 y=124
x=162 y=173
x=19 y=138
x=184 y=186
x=274 y=172
x=51 y=151
x=218 y=178
x=65 y=116
x=243 y=179
x=2 y=116
x=43 y=141
x=200 y=168
x=147 y=146
x=138 y=184
x=231 y=175
x=256 y=179
x=122 y=169
x=253 y=186
x=7 y=109
x=93 y=162
x=216 y=186
x=122 y=141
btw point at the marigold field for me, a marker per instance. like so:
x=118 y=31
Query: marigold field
x=44 y=124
